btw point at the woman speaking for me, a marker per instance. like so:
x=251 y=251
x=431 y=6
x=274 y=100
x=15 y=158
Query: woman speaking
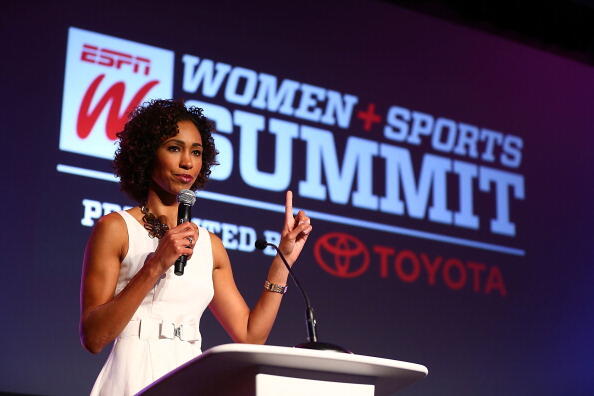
x=129 y=292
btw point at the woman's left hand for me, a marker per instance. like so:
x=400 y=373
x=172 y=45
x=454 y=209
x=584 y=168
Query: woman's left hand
x=295 y=231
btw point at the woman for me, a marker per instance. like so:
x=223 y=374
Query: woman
x=129 y=292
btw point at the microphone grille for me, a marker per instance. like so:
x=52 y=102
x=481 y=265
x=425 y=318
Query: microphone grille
x=186 y=197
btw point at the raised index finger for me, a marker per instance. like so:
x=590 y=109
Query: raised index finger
x=289 y=207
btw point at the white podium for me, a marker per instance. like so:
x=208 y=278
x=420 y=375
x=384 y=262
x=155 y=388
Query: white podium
x=262 y=370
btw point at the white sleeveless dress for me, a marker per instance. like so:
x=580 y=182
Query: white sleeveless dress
x=164 y=331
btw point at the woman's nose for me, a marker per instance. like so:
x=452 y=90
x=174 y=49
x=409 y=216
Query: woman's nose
x=185 y=161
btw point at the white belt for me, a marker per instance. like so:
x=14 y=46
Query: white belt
x=154 y=329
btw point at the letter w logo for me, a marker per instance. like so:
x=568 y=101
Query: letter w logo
x=114 y=96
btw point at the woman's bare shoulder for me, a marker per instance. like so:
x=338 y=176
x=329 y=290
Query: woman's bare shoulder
x=221 y=259
x=112 y=222
x=110 y=234
x=214 y=238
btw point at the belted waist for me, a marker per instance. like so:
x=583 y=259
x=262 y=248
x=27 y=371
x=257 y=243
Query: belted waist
x=154 y=329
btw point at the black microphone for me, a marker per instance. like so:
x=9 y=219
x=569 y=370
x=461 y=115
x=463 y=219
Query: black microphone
x=186 y=199
x=310 y=320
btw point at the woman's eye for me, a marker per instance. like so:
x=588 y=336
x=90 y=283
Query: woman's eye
x=173 y=148
x=197 y=153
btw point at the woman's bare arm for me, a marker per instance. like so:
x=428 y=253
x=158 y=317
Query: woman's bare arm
x=241 y=323
x=104 y=315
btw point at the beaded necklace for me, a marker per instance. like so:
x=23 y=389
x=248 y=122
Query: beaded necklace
x=154 y=226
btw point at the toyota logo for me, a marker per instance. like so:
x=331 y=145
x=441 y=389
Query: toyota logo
x=341 y=255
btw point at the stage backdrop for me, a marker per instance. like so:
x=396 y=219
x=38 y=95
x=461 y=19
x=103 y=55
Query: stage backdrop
x=447 y=172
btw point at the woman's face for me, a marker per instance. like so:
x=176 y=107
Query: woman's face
x=179 y=159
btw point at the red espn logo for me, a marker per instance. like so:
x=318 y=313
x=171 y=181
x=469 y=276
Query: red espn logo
x=113 y=97
x=87 y=117
x=111 y=58
x=105 y=78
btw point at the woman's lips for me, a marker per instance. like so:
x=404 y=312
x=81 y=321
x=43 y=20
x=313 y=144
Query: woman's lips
x=185 y=178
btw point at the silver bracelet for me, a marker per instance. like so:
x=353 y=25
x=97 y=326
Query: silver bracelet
x=273 y=287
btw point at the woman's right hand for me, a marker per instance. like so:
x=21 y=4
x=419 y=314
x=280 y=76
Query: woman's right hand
x=176 y=242
x=104 y=314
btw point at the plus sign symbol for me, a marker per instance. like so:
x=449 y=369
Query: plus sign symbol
x=369 y=117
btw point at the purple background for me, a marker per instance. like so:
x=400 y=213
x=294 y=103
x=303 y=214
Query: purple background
x=535 y=341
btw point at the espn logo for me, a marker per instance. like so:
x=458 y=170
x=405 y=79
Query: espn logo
x=106 y=77
x=110 y=58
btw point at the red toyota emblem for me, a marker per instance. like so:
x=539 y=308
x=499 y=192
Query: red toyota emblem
x=342 y=255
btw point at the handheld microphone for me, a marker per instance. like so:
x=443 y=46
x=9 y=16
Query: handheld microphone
x=310 y=321
x=186 y=199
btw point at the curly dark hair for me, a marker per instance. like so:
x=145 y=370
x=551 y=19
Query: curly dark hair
x=148 y=126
